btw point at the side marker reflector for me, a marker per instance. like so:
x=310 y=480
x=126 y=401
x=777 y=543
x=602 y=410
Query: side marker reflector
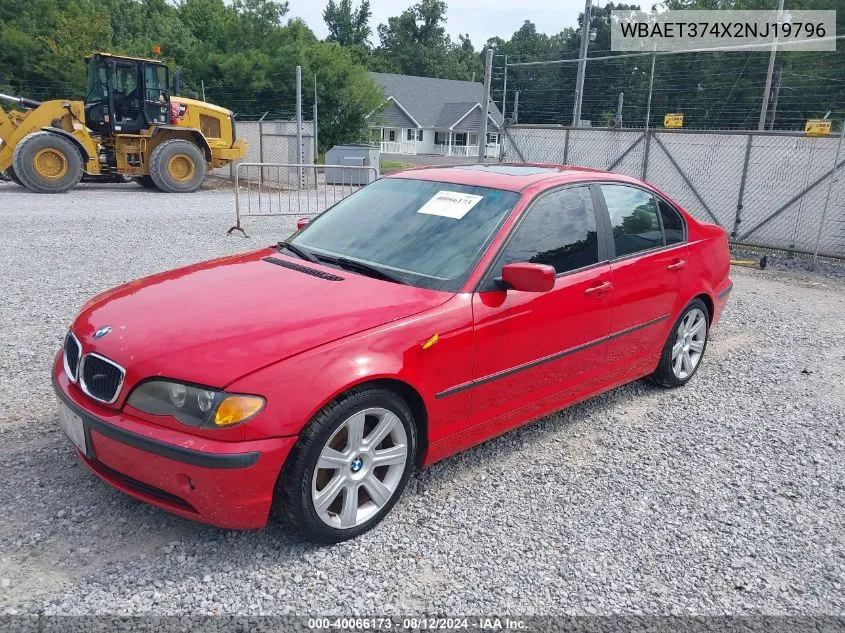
x=431 y=341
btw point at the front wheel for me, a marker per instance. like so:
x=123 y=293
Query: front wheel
x=685 y=346
x=350 y=465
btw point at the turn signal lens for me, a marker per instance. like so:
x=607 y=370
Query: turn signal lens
x=236 y=409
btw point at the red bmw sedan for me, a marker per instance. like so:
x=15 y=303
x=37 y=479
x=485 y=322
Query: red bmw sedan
x=430 y=311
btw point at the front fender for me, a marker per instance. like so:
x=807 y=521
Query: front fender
x=297 y=388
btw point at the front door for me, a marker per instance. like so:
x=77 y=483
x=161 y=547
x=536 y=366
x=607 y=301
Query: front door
x=647 y=270
x=532 y=349
x=157 y=95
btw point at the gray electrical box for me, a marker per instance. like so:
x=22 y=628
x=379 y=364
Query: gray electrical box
x=352 y=156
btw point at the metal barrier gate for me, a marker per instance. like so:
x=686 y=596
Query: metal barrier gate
x=291 y=189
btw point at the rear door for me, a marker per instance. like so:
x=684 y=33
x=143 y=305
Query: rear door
x=533 y=346
x=647 y=269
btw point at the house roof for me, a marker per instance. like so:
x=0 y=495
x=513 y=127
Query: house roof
x=436 y=103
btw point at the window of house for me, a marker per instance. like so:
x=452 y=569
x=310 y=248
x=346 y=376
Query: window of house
x=492 y=139
x=559 y=230
x=410 y=135
x=460 y=138
x=391 y=135
x=633 y=218
x=673 y=223
x=419 y=135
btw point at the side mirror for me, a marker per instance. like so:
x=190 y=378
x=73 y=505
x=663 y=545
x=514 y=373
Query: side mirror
x=527 y=277
x=301 y=222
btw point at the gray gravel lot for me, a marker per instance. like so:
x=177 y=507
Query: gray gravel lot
x=725 y=496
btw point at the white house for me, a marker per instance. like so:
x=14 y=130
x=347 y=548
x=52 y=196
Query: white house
x=425 y=115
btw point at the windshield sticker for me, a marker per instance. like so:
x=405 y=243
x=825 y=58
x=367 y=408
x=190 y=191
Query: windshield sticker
x=450 y=204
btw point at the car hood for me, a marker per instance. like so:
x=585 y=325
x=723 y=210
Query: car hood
x=216 y=321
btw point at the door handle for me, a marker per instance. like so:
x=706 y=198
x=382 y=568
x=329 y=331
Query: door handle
x=598 y=291
x=677 y=265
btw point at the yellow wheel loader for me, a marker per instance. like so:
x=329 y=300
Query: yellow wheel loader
x=130 y=124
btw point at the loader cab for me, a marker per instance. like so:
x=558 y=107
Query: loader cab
x=126 y=95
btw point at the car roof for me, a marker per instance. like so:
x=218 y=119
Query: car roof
x=509 y=176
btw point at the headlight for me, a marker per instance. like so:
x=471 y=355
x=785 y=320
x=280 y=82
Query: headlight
x=194 y=406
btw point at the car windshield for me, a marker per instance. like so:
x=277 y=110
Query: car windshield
x=428 y=234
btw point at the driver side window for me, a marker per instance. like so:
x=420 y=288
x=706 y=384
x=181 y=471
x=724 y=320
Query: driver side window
x=559 y=230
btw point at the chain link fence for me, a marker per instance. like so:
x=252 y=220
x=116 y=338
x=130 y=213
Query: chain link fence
x=775 y=190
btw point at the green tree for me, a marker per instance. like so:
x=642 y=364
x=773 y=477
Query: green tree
x=416 y=43
x=348 y=26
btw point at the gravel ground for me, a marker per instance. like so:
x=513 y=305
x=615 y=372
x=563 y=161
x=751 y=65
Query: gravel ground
x=725 y=496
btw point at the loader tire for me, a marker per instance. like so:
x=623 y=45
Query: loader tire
x=145 y=181
x=177 y=166
x=47 y=163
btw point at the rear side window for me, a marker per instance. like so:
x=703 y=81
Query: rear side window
x=673 y=223
x=559 y=230
x=633 y=218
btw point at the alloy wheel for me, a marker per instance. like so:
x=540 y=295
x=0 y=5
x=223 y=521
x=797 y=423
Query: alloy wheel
x=359 y=469
x=689 y=343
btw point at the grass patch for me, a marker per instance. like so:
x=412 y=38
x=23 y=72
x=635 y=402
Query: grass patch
x=393 y=165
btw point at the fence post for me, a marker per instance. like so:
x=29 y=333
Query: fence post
x=566 y=147
x=827 y=197
x=744 y=177
x=261 y=137
x=299 y=123
x=261 y=147
x=647 y=138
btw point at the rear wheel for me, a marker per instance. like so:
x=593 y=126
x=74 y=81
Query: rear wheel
x=685 y=346
x=177 y=166
x=350 y=465
x=145 y=181
x=47 y=163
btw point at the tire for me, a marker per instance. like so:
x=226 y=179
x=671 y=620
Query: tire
x=177 y=166
x=145 y=181
x=691 y=333
x=46 y=162
x=302 y=484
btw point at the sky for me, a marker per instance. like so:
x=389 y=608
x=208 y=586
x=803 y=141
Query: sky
x=480 y=18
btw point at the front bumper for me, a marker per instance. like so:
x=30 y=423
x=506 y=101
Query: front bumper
x=226 y=484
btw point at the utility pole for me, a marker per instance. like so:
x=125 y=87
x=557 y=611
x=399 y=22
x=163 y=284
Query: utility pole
x=485 y=106
x=202 y=83
x=775 y=103
x=505 y=88
x=767 y=90
x=582 y=64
